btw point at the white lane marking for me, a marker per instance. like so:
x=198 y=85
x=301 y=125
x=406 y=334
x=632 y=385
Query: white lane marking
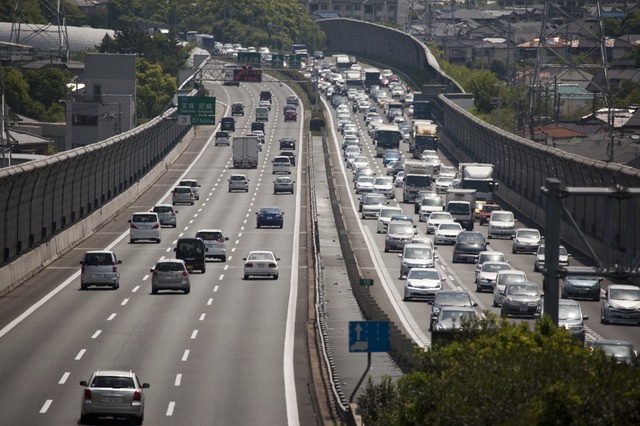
x=124 y=302
x=80 y=354
x=237 y=242
x=170 y=408
x=186 y=228
x=112 y=316
x=46 y=406
x=168 y=249
x=221 y=277
x=178 y=380
x=225 y=268
x=194 y=334
x=210 y=301
x=239 y=236
x=291 y=397
x=96 y=334
x=64 y=378
x=202 y=317
x=232 y=250
x=185 y=356
x=179 y=235
x=199 y=210
x=146 y=277
x=135 y=289
x=242 y=228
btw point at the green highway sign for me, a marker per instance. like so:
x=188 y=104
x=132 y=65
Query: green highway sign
x=295 y=61
x=249 y=58
x=196 y=110
x=277 y=60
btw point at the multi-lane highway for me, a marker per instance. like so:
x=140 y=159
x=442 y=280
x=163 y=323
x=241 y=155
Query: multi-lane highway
x=415 y=314
x=230 y=352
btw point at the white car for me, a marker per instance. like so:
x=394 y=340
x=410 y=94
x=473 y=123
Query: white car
x=486 y=276
x=384 y=217
x=384 y=185
x=144 y=226
x=449 y=171
x=443 y=183
x=195 y=186
x=238 y=183
x=429 y=205
x=447 y=232
x=359 y=161
x=501 y=224
x=416 y=256
x=399 y=179
x=214 y=243
x=435 y=219
x=371 y=205
x=364 y=184
x=422 y=283
x=260 y=263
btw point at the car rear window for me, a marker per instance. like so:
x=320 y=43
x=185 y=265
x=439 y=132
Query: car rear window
x=113 y=382
x=209 y=236
x=162 y=209
x=98 y=259
x=169 y=266
x=145 y=218
x=182 y=190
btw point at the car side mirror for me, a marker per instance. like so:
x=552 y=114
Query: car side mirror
x=226 y=238
x=151 y=270
x=175 y=249
x=277 y=258
x=474 y=304
x=83 y=383
x=146 y=386
x=119 y=262
x=585 y=317
x=443 y=278
x=399 y=254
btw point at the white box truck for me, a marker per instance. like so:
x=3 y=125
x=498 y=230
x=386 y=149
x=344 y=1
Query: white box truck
x=461 y=204
x=417 y=177
x=245 y=152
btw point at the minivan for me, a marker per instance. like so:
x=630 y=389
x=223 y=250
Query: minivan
x=214 y=243
x=262 y=114
x=193 y=252
x=195 y=186
x=166 y=214
x=144 y=226
x=228 y=124
x=100 y=268
x=281 y=164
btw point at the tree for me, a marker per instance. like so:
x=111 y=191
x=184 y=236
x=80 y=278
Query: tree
x=49 y=85
x=155 y=90
x=506 y=374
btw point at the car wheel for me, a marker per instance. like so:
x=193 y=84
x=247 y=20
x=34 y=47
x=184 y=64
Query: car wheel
x=502 y=313
x=535 y=268
x=596 y=299
x=495 y=305
x=132 y=241
x=386 y=249
x=258 y=225
x=246 y=277
x=138 y=420
x=174 y=225
x=192 y=203
x=204 y=269
x=187 y=290
x=154 y=290
x=478 y=289
x=223 y=258
x=281 y=226
x=84 y=419
x=405 y=299
x=275 y=277
x=158 y=241
x=513 y=250
x=83 y=286
x=116 y=286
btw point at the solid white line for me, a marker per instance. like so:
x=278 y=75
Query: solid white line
x=178 y=379
x=80 y=354
x=64 y=378
x=185 y=356
x=170 y=408
x=46 y=406
x=291 y=397
x=96 y=334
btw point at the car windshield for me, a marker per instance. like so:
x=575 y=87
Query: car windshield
x=445 y=180
x=458 y=316
x=495 y=267
x=422 y=274
x=625 y=294
x=374 y=200
x=388 y=181
x=511 y=278
x=471 y=239
x=498 y=257
x=562 y=251
x=614 y=350
x=365 y=179
x=433 y=202
x=437 y=216
x=522 y=290
x=502 y=217
x=453 y=299
x=528 y=234
x=389 y=212
x=449 y=227
x=400 y=228
x=458 y=208
x=238 y=178
x=260 y=256
x=489 y=209
x=569 y=312
x=417 y=253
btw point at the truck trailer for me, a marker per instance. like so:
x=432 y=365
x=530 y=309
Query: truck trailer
x=245 y=152
x=478 y=176
x=461 y=204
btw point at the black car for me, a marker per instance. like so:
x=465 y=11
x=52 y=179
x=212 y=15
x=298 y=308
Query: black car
x=257 y=125
x=290 y=155
x=468 y=246
x=237 y=109
x=192 y=251
x=449 y=324
x=228 y=124
x=287 y=143
x=457 y=298
x=270 y=216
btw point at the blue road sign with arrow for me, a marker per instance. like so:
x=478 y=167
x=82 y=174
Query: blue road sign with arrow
x=369 y=336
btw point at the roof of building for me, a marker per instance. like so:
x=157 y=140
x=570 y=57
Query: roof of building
x=45 y=37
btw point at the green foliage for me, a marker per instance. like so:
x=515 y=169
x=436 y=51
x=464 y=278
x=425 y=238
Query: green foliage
x=376 y=400
x=628 y=93
x=484 y=86
x=48 y=86
x=634 y=53
x=39 y=102
x=31 y=12
x=154 y=89
x=507 y=374
x=631 y=23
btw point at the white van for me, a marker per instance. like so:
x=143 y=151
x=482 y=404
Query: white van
x=100 y=268
x=262 y=114
x=281 y=164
